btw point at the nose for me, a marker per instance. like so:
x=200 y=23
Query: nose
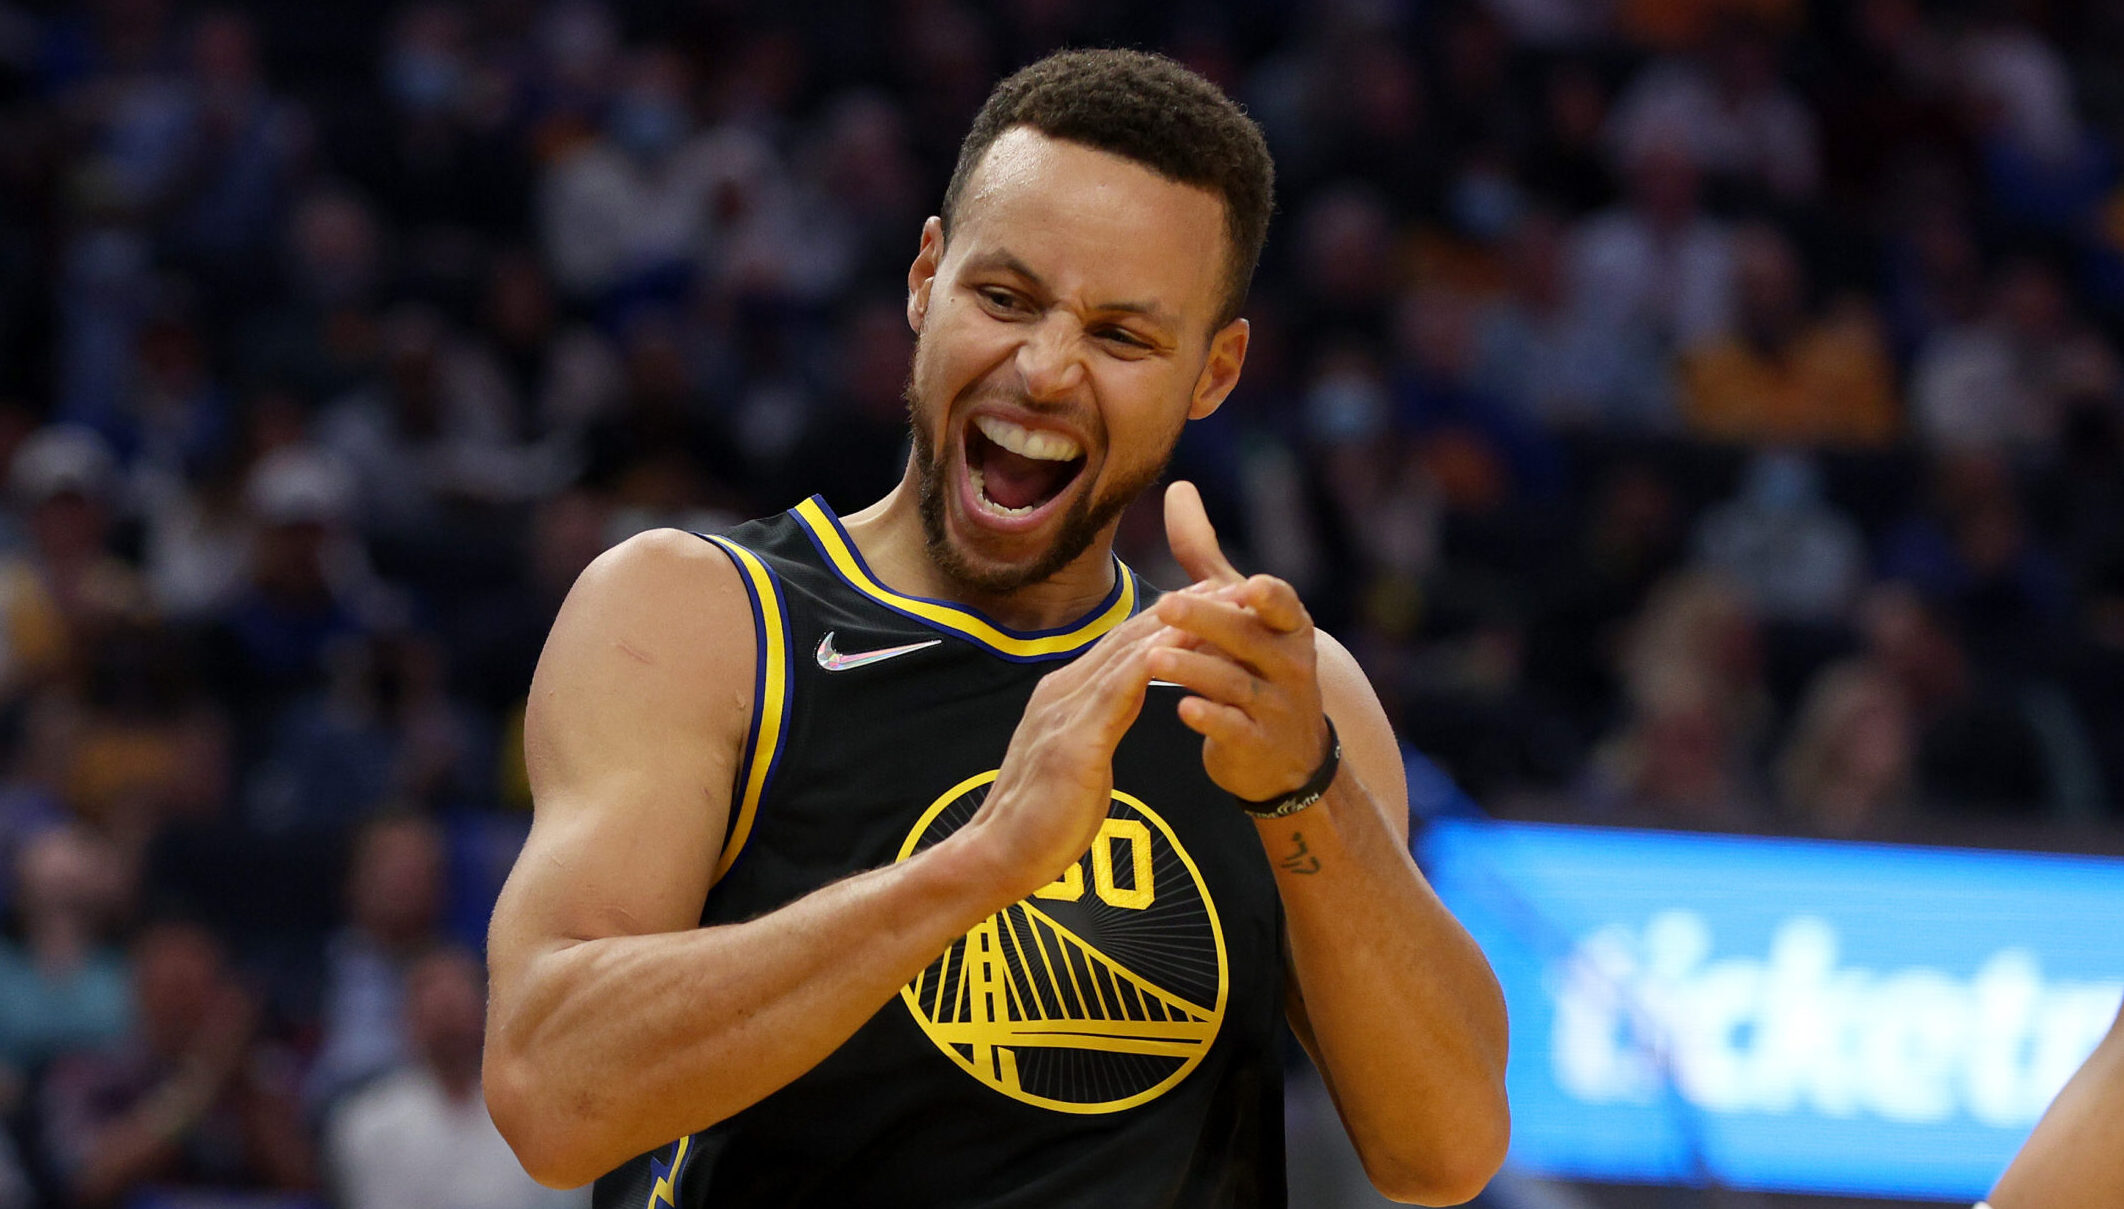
x=1050 y=361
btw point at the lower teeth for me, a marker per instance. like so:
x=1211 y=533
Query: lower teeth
x=980 y=486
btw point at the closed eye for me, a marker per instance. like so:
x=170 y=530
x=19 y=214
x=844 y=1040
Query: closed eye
x=1122 y=336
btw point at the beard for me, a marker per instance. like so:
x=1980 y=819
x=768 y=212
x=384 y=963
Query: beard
x=1081 y=524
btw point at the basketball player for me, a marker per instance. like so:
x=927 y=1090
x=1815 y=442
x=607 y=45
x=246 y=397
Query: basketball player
x=926 y=856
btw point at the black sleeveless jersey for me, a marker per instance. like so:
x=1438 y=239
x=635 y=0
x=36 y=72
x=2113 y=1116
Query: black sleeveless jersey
x=1111 y=1042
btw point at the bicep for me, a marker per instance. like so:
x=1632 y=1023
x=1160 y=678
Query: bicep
x=631 y=737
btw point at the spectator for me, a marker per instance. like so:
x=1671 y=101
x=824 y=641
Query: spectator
x=1480 y=450
x=1695 y=651
x=1729 y=110
x=131 y=739
x=384 y=728
x=1680 y=761
x=633 y=208
x=192 y=1097
x=1657 y=259
x=432 y=436
x=174 y=416
x=2044 y=169
x=63 y=984
x=1795 y=556
x=232 y=155
x=1565 y=163
x=2002 y=384
x=1849 y=768
x=524 y=357
x=67 y=581
x=1566 y=367
x=440 y=152
x=1970 y=551
x=661 y=455
x=321 y=342
x=394 y=900
x=421 y=1135
x=1347 y=258
x=1976 y=750
x=1783 y=376
x=854 y=448
x=495 y=640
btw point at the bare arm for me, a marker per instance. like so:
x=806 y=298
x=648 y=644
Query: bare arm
x=1393 y=999
x=616 y=1024
x=2072 y=1160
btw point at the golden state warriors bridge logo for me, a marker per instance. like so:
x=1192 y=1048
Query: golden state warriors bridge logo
x=1098 y=993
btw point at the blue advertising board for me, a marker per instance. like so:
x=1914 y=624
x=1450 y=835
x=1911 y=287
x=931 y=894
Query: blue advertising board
x=1795 y=1015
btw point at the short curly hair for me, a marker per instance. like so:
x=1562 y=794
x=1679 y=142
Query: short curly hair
x=1147 y=108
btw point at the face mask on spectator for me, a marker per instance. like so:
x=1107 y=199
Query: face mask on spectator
x=1485 y=203
x=647 y=127
x=421 y=80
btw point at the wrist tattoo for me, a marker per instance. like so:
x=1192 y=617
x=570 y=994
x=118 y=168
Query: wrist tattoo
x=1301 y=859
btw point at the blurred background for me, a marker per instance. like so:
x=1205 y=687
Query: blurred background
x=1698 y=415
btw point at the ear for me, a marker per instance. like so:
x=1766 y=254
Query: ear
x=1227 y=354
x=922 y=274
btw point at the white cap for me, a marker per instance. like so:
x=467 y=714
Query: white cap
x=295 y=485
x=62 y=458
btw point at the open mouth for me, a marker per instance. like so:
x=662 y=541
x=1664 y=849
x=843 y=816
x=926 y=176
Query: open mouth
x=1015 y=470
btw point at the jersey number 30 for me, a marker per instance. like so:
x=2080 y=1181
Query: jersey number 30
x=1141 y=888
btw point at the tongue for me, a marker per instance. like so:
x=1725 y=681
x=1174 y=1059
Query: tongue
x=1016 y=481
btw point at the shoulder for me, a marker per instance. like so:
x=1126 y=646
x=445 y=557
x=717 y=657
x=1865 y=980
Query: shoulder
x=670 y=581
x=660 y=558
x=1342 y=680
x=653 y=644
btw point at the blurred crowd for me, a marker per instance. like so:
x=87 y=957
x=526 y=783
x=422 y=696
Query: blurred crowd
x=1697 y=413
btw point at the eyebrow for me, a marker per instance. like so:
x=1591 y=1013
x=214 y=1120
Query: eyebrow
x=1000 y=259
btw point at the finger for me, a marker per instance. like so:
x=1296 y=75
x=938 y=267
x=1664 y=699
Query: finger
x=1192 y=538
x=1234 y=630
x=1221 y=724
x=1114 y=697
x=1129 y=633
x=1276 y=603
x=1219 y=679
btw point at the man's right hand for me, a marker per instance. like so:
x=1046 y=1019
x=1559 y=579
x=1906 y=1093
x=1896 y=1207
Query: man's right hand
x=1057 y=779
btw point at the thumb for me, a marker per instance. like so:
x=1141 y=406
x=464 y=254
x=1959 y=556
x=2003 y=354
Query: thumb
x=1193 y=540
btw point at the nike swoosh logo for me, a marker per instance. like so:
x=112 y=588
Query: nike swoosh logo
x=834 y=661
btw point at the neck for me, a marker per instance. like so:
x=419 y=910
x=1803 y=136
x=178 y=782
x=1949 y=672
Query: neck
x=891 y=538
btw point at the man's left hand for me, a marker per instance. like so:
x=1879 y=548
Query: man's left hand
x=1249 y=658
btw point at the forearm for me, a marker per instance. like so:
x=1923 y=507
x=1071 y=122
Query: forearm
x=1407 y=1020
x=613 y=1046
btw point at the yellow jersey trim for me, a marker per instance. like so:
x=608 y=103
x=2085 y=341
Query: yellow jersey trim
x=770 y=699
x=665 y=1190
x=841 y=555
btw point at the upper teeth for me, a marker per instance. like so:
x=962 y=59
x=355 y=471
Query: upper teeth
x=1026 y=442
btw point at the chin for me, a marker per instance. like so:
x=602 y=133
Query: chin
x=1049 y=474
x=994 y=553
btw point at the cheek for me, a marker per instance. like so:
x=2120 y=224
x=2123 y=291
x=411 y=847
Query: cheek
x=955 y=347
x=1145 y=407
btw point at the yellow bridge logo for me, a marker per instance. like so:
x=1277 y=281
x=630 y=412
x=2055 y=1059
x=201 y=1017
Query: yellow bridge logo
x=1102 y=991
